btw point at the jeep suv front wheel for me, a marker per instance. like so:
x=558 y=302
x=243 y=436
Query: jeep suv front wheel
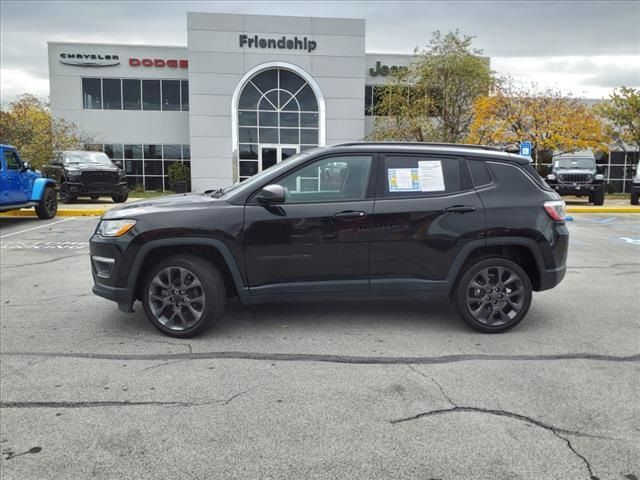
x=493 y=295
x=183 y=295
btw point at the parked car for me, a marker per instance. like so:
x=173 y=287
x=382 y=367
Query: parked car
x=466 y=223
x=635 y=186
x=87 y=174
x=22 y=187
x=576 y=174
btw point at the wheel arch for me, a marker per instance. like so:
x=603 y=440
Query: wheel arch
x=212 y=250
x=39 y=186
x=523 y=251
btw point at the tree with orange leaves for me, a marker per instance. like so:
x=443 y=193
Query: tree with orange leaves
x=549 y=119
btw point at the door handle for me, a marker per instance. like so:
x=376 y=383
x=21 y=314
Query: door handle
x=350 y=215
x=460 y=209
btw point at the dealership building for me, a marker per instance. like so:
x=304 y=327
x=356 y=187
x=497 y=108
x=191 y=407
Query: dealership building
x=246 y=92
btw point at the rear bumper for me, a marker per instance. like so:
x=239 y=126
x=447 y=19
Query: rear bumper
x=77 y=188
x=551 y=278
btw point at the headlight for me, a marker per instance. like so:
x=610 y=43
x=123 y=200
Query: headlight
x=73 y=175
x=599 y=176
x=115 y=228
x=551 y=176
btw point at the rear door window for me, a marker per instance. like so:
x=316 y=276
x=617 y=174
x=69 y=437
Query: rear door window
x=421 y=176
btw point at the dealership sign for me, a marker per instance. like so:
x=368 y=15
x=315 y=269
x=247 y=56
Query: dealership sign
x=158 y=62
x=385 y=70
x=89 y=59
x=282 y=43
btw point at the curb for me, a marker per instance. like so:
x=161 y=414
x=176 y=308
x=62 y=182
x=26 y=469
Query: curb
x=603 y=209
x=61 y=213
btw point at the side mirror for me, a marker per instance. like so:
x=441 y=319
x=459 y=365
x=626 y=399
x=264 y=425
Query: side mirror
x=117 y=163
x=25 y=167
x=271 y=194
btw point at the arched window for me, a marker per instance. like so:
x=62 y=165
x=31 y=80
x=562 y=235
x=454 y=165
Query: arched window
x=278 y=116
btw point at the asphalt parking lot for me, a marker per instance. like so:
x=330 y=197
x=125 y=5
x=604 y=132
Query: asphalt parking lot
x=345 y=389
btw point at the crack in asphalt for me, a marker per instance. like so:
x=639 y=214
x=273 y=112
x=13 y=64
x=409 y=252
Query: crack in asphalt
x=116 y=403
x=613 y=265
x=326 y=358
x=522 y=418
x=444 y=394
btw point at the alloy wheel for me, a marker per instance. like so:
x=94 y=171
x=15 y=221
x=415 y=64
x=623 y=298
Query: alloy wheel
x=495 y=296
x=176 y=298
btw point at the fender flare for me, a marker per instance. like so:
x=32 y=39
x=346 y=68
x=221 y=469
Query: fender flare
x=39 y=185
x=466 y=251
x=224 y=251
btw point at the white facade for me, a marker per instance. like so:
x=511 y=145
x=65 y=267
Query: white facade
x=217 y=129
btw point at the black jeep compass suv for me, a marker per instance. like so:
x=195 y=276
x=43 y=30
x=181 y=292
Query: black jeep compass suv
x=466 y=223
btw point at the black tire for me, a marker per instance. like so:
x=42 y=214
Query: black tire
x=487 y=309
x=598 y=197
x=634 y=198
x=48 y=206
x=65 y=196
x=94 y=197
x=166 y=308
x=120 y=197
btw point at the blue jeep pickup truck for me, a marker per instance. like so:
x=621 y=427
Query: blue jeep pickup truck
x=21 y=187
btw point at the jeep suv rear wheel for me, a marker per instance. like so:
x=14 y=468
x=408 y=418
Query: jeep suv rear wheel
x=183 y=295
x=493 y=295
x=48 y=205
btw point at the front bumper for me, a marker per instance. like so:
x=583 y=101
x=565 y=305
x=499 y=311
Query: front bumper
x=111 y=277
x=122 y=296
x=78 y=188
x=576 y=188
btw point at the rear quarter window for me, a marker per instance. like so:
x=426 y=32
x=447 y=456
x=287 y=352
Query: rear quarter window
x=479 y=173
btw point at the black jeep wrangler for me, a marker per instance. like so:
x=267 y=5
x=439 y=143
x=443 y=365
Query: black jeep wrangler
x=576 y=174
x=87 y=174
x=635 y=186
x=466 y=223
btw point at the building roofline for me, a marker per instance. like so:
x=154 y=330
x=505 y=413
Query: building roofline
x=98 y=44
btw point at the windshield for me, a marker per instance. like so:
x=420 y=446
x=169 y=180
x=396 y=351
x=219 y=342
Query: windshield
x=86 y=157
x=250 y=182
x=580 y=163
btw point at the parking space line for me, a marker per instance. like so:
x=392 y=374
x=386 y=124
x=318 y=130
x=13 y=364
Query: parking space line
x=35 y=228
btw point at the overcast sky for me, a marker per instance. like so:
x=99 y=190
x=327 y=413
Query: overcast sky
x=583 y=47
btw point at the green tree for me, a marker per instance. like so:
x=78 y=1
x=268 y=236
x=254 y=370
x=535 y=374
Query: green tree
x=432 y=99
x=622 y=115
x=28 y=125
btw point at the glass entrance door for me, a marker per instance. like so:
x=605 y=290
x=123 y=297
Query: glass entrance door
x=269 y=155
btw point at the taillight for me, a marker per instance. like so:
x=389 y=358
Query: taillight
x=555 y=209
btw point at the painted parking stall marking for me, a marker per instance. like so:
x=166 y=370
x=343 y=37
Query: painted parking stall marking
x=31 y=245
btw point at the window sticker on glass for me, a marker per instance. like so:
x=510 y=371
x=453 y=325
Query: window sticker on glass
x=403 y=180
x=430 y=176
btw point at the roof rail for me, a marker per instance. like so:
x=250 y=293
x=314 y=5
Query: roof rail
x=426 y=144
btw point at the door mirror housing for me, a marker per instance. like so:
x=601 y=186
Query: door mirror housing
x=25 y=166
x=117 y=163
x=271 y=194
